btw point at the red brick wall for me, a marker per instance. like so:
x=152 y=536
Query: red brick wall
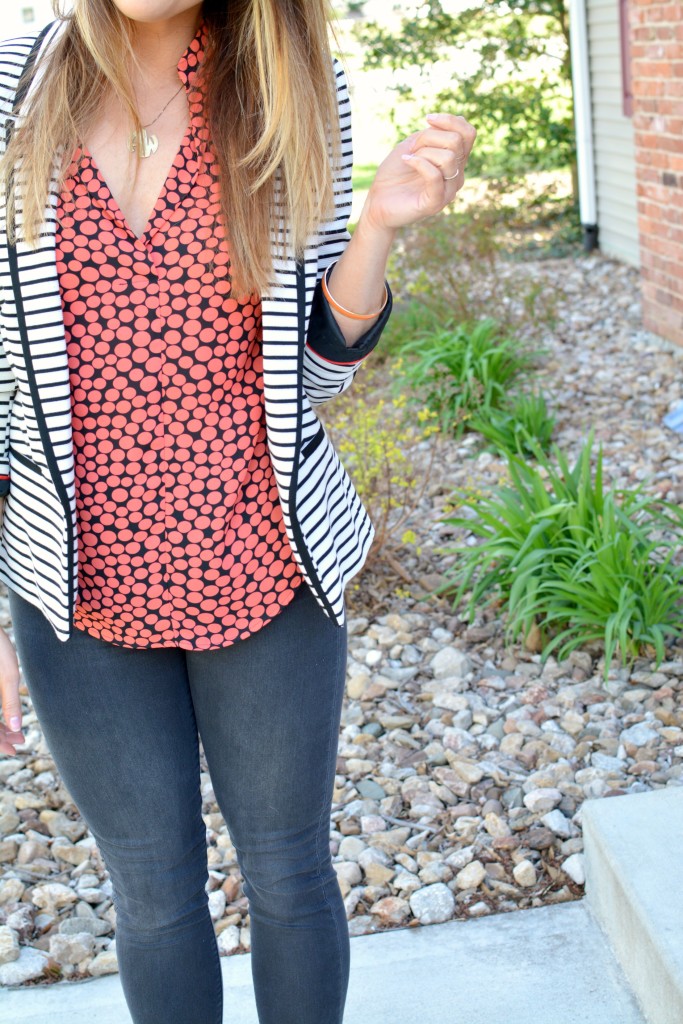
x=657 y=82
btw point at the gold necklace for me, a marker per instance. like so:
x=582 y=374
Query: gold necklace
x=141 y=141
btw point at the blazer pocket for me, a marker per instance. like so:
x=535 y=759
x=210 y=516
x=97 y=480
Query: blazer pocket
x=314 y=443
x=25 y=461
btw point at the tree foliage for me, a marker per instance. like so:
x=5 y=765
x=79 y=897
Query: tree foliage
x=511 y=75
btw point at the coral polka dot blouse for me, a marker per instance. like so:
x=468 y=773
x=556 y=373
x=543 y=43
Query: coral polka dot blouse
x=181 y=536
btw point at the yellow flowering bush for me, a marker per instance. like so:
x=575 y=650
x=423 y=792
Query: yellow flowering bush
x=378 y=444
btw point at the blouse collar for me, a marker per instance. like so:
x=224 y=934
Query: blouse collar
x=192 y=59
x=190 y=68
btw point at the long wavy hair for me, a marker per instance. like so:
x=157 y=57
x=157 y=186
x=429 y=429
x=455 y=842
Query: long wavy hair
x=271 y=108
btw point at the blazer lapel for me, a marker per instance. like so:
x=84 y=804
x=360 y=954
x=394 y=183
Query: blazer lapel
x=281 y=318
x=39 y=318
x=41 y=323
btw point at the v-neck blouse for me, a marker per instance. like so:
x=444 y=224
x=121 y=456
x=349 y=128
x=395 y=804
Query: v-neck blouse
x=181 y=535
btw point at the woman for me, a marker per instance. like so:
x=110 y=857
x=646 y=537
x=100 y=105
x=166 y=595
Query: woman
x=178 y=529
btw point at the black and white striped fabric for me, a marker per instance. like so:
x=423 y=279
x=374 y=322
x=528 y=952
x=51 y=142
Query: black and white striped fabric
x=305 y=362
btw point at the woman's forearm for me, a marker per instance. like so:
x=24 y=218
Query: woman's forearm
x=357 y=279
x=418 y=179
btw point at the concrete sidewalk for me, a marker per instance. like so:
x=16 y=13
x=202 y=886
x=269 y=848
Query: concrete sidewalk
x=551 y=965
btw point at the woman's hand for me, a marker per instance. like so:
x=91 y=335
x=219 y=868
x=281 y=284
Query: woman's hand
x=10 y=733
x=410 y=183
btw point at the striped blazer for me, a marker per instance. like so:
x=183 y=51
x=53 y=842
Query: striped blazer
x=305 y=363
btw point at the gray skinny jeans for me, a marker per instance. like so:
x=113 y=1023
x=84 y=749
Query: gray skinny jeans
x=123 y=728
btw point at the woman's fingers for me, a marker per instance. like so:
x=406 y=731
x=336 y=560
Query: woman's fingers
x=10 y=732
x=6 y=745
x=446 y=144
x=431 y=200
x=443 y=159
x=436 y=139
x=455 y=123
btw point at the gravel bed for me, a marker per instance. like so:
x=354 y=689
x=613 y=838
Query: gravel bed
x=462 y=764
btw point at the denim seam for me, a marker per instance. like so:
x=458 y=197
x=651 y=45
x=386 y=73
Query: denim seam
x=217 y=956
x=323 y=884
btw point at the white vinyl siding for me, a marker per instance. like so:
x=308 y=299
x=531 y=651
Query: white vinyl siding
x=615 y=159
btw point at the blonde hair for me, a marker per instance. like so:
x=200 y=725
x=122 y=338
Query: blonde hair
x=271 y=106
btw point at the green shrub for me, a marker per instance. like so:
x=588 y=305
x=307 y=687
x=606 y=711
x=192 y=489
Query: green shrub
x=460 y=370
x=516 y=426
x=581 y=563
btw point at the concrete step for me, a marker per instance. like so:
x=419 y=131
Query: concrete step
x=550 y=965
x=634 y=887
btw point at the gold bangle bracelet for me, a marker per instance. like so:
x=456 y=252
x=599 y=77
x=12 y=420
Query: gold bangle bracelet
x=346 y=312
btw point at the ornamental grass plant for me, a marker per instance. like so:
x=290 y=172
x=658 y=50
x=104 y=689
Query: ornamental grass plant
x=562 y=554
x=459 y=370
x=515 y=427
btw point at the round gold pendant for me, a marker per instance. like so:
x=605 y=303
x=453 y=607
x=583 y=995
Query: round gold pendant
x=144 y=143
